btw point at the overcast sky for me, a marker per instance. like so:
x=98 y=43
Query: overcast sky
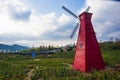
x=43 y=22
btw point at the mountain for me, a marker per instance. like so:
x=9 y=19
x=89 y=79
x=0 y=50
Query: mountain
x=12 y=47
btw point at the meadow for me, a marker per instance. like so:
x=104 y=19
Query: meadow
x=56 y=67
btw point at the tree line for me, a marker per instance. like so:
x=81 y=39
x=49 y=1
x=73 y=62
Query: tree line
x=111 y=45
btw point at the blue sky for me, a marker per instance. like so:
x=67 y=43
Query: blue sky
x=39 y=22
x=45 y=6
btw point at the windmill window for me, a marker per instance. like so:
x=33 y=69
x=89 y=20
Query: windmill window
x=80 y=45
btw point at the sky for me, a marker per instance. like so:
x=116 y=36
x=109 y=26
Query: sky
x=42 y=22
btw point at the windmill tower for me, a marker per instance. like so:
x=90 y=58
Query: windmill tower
x=87 y=56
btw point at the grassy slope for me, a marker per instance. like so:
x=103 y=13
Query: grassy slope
x=55 y=67
x=110 y=57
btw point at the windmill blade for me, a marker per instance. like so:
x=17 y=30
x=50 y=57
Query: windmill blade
x=75 y=16
x=74 y=30
x=87 y=9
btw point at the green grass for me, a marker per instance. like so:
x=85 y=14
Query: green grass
x=63 y=55
x=111 y=57
x=56 y=67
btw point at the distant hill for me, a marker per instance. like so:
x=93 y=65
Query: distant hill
x=12 y=47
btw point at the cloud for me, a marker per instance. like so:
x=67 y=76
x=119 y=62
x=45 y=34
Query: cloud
x=18 y=10
x=63 y=19
x=25 y=15
x=114 y=0
x=60 y=33
x=105 y=17
x=115 y=34
x=21 y=24
x=37 y=43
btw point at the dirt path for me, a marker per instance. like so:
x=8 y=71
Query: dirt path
x=29 y=74
x=69 y=65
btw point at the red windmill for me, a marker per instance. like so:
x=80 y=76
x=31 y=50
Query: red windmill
x=87 y=56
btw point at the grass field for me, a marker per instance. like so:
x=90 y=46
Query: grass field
x=56 y=67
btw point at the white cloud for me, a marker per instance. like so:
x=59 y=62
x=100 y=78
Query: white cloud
x=37 y=43
x=20 y=31
x=31 y=32
x=115 y=34
x=63 y=20
x=106 y=17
